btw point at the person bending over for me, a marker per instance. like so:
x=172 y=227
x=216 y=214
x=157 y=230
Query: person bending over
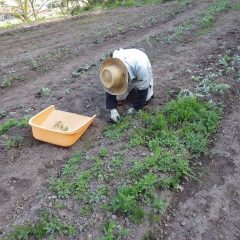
x=128 y=69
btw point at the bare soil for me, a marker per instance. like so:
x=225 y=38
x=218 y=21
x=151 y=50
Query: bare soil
x=47 y=54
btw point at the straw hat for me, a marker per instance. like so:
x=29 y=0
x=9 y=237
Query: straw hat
x=114 y=76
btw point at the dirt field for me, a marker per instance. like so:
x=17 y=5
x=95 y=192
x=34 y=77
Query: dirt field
x=47 y=56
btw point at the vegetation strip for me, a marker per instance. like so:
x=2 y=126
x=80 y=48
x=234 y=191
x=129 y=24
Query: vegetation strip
x=46 y=225
x=202 y=21
x=10 y=123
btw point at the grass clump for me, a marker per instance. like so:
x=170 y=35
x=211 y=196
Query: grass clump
x=10 y=123
x=208 y=15
x=6 y=82
x=46 y=225
x=86 y=210
x=194 y=121
x=103 y=152
x=116 y=162
x=45 y=92
x=13 y=142
x=158 y=205
x=72 y=183
x=207 y=86
x=72 y=165
x=126 y=200
x=116 y=131
x=63 y=188
x=112 y=231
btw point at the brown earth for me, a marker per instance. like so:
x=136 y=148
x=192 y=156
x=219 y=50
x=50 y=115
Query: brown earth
x=45 y=55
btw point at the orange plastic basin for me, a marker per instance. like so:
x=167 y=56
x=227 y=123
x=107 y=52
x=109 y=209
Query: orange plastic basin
x=59 y=127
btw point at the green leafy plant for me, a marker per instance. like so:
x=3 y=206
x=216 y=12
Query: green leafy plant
x=10 y=123
x=158 y=205
x=33 y=62
x=182 y=127
x=13 y=142
x=45 y=91
x=80 y=185
x=108 y=230
x=116 y=162
x=86 y=210
x=103 y=152
x=112 y=231
x=235 y=6
x=62 y=188
x=72 y=165
x=46 y=225
x=116 y=131
x=6 y=82
x=59 y=205
x=225 y=60
x=149 y=236
x=99 y=194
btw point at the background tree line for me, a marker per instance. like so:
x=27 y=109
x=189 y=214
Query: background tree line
x=28 y=10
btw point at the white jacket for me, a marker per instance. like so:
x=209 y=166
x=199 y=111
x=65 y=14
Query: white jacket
x=138 y=65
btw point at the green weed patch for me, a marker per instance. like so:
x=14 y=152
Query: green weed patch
x=174 y=135
x=115 y=132
x=205 y=20
x=226 y=65
x=10 y=123
x=207 y=16
x=13 y=142
x=47 y=225
x=112 y=231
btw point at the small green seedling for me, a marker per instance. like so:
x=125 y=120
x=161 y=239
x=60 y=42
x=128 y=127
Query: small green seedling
x=13 y=142
x=44 y=91
x=103 y=153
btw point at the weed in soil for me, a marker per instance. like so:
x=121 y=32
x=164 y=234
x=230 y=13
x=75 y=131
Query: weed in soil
x=113 y=231
x=236 y=6
x=103 y=152
x=33 y=63
x=10 y=123
x=44 y=92
x=46 y=225
x=13 y=142
x=227 y=65
x=86 y=210
x=3 y=114
x=8 y=80
x=202 y=23
x=115 y=132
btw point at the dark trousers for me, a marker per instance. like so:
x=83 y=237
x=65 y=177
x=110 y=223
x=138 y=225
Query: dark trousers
x=138 y=103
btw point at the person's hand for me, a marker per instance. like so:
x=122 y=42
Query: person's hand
x=131 y=111
x=115 y=115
